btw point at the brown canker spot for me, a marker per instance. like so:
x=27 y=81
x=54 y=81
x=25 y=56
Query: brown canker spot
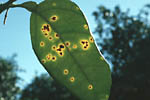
x=67 y=43
x=58 y=49
x=66 y=72
x=50 y=38
x=43 y=61
x=48 y=57
x=91 y=39
x=61 y=54
x=54 y=18
x=53 y=47
x=46 y=34
x=54 y=58
x=56 y=35
x=72 y=79
x=42 y=44
x=90 y=87
x=62 y=46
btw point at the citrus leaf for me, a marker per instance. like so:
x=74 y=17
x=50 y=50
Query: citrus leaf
x=64 y=45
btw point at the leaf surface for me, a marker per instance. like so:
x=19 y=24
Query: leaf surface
x=63 y=43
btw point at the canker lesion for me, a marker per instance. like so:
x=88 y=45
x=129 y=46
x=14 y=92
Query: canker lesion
x=66 y=72
x=91 y=39
x=67 y=43
x=85 y=26
x=50 y=38
x=74 y=46
x=42 y=44
x=56 y=35
x=53 y=47
x=61 y=53
x=54 y=18
x=90 y=87
x=72 y=79
x=54 y=58
x=43 y=61
x=49 y=57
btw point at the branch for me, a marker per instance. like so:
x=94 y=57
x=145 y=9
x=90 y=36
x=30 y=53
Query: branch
x=30 y=6
x=5 y=16
x=5 y=6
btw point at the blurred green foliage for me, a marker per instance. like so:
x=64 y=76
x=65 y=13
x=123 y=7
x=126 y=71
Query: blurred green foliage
x=8 y=79
x=45 y=88
x=124 y=39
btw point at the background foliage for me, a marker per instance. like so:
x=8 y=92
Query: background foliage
x=124 y=40
x=8 y=79
x=45 y=88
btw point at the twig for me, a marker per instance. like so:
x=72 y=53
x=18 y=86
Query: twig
x=6 y=5
x=6 y=16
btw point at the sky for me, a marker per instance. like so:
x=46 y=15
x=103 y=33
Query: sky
x=15 y=35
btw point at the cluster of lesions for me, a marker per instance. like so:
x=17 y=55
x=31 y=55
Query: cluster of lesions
x=49 y=57
x=59 y=49
x=46 y=30
x=85 y=44
x=48 y=33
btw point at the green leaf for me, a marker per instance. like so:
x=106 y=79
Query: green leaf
x=64 y=45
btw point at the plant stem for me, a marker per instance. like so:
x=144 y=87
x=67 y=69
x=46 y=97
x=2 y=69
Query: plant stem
x=6 y=5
